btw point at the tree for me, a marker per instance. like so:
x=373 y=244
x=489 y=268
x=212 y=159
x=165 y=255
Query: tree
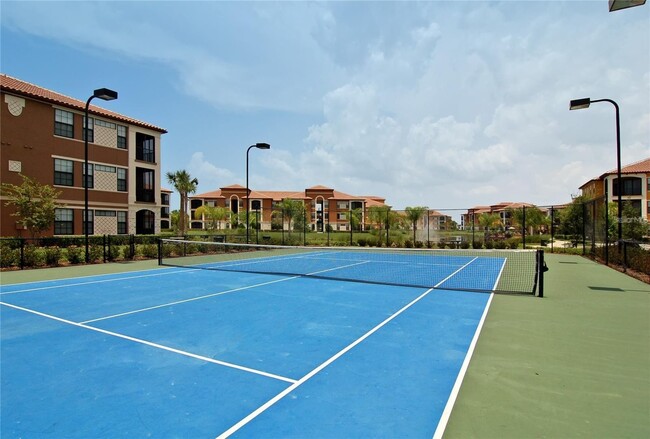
x=535 y=218
x=489 y=221
x=35 y=204
x=414 y=215
x=634 y=226
x=212 y=215
x=356 y=216
x=380 y=216
x=572 y=218
x=290 y=209
x=184 y=185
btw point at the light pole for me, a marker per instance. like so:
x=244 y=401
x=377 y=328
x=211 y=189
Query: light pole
x=248 y=202
x=579 y=104
x=107 y=95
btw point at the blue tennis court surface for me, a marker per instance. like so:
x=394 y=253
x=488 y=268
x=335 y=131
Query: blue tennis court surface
x=181 y=352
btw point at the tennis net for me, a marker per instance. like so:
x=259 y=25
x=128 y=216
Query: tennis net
x=511 y=271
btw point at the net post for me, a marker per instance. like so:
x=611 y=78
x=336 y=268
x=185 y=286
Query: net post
x=541 y=269
x=160 y=253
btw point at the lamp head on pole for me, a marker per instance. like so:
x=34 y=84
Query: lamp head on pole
x=579 y=104
x=262 y=146
x=617 y=5
x=105 y=94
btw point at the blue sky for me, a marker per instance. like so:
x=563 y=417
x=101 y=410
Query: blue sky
x=438 y=104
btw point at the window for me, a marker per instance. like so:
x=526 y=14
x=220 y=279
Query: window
x=104 y=213
x=145 y=147
x=144 y=186
x=121 y=137
x=195 y=204
x=89 y=178
x=102 y=168
x=164 y=199
x=121 y=179
x=63 y=222
x=121 y=222
x=90 y=223
x=103 y=123
x=631 y=186
x=89 y=130
x=63 y=172
x=63 y=123
x=164 y=212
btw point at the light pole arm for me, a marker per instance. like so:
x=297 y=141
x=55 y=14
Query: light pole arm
x=618 y=168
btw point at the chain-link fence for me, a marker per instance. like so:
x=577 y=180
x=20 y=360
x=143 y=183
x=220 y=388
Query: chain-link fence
x=587 y=227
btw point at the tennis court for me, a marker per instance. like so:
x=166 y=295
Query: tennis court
x=189 y=352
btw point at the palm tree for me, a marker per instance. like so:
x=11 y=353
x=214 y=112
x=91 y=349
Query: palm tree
x=414 y=214
x=184 y=185
x=213 y=216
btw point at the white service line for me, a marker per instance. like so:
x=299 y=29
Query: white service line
x=95 y=281
x=152 y=344
x=187 y=300
x=304 y=379
x=446 y=413
x=214 y=294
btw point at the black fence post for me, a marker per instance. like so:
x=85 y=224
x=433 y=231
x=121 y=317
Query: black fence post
x=160 y=254
x=606 y=228
x=304 y=227
x=22 y=253
x=104 y=247
x=523 y=230
x=541 y=269
x=132 y=246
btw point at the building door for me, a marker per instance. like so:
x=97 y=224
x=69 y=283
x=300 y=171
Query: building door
x=144 y=222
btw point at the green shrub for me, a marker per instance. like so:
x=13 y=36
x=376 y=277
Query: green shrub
x=500 y=245
x=408 y=243
x=34 y=256
x=513 y=243
x=9 y=257
x=74 y=254
x=53 y=256
x=464 y=245
x=489 y=245
x=150 y=251
x=419 y=244
x=96 y=253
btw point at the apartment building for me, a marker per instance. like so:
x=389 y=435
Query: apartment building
x=42 y=137
x=502 y=209
x=635 y=186
x=324 y=207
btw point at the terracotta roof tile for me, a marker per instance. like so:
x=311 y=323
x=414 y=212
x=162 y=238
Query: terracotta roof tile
x=10 y=84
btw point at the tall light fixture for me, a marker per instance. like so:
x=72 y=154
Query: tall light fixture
x=107 y=95
x=579 y=104
x=248 y=202
x=617 y=5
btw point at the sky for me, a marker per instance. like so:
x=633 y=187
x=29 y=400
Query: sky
x=444 y=104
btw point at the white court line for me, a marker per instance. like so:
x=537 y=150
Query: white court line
x=213 y=294
x=176 y=271
x=323 y=365
x=446 y=413
x=454 y=273
x=186 y=300
x=503 y=266
x=152 y=344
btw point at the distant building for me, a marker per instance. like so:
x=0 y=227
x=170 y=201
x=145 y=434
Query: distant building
x=324 y=206
x=635 y=186
x=42 y=137
x=502 y=209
